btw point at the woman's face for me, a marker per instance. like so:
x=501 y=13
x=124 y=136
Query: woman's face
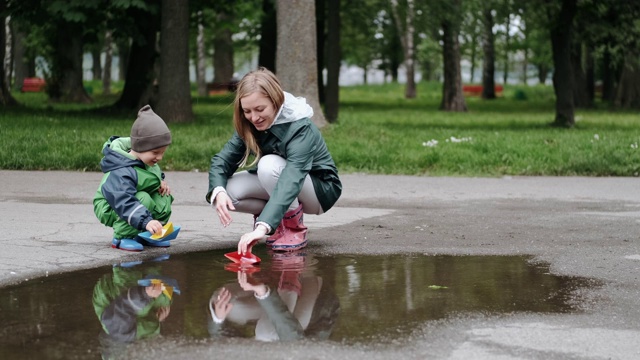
x=259 y=110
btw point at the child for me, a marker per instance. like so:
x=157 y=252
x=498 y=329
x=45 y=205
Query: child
x=133 y=196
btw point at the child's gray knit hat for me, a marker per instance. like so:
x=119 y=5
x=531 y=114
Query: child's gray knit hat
x=149 y=131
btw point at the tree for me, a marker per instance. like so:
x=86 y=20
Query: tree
x=332 y=96
x=628 y=95
x=141 y=25
x=174 y=93
x=65 y=26
x=537 y=39
x=561 y=26
x=406 y=30
x=200 y=56
x=296 y=55
x=365 y=34
x=223 y=47
x=5 y=95
x=452 y=97
x=108 y=56
x=321 y=38
x=21 y=63
x=488 y=47
x=268 y=36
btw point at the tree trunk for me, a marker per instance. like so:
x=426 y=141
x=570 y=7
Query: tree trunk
x=9 y=56
x=580 y=94
x=5 y=95
x=296 y=56
x=406 y=38
x=66 y=83
x=525 y=66
x=543 y=72
x=562 y=74
x=268 y=36
x=124 y=52
x=452 y=96
x=472 y=70
x=628 y=96
x=365 y=74
x=139 y=88
x=96 y=65
x=488 y=64
x=108 y=56
x=332 y=97
x=507 y=40
x=20 y=60
x=394 y=71
x=608 y=92
x=223 y=52
x=174 y=93
x=200 y=58
x=590 y=75
x=320 y=40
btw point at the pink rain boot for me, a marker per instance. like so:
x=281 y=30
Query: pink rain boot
x=294 y=233
x=276 y=235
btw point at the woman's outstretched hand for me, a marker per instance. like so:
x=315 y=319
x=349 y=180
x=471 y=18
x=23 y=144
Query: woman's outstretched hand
x=251 y=238
x=223 y=205
x=222 y=304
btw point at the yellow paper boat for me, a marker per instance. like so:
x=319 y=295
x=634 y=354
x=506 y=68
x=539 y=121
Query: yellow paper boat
x=166 y=230
x=169 y=286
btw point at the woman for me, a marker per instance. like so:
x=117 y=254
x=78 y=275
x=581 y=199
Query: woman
x=295 y=173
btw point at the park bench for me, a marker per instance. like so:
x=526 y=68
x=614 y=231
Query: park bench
x=221 y=88
x=476 y=90
x=33 y=85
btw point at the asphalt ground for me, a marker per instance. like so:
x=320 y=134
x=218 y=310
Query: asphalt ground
x=582 y=227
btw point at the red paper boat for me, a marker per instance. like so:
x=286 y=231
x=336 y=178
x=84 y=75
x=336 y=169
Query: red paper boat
x=236 y=267
x=248 y=259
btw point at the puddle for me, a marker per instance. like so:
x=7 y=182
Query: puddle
x=347 y=299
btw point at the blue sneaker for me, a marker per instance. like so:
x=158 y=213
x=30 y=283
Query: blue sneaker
x=126 y=244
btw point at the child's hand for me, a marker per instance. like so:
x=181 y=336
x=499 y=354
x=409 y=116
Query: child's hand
x=154 y=290
x=154 y=227
x=162 y=313
x=164 y=188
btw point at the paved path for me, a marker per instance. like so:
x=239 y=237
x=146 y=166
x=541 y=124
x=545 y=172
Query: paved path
x=48 y=223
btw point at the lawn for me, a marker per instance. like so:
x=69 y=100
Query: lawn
x=378 y=132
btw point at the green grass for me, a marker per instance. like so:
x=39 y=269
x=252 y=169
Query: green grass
x=378 y=132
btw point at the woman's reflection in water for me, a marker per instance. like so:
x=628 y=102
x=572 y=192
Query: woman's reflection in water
x=286 y=302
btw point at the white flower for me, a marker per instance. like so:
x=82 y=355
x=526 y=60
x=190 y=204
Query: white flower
x=453 y=139
x=430 y=143
x=634 y=145
x=596 y=136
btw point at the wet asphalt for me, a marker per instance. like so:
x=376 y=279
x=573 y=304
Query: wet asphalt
x=581 y=227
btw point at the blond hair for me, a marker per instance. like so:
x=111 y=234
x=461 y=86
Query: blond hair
x=264 y=82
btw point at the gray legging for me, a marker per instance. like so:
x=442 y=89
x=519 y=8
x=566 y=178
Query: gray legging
x=250 y=192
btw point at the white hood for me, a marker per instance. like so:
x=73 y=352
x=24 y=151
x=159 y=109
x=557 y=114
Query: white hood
x=293 y=108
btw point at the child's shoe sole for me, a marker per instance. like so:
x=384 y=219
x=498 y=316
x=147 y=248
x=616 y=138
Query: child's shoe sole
x=126 y=244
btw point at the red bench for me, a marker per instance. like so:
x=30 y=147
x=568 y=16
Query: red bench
x=476 y=90
x=33 y=85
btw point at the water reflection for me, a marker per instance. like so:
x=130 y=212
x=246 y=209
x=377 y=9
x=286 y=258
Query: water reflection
x=342 y=298
x=131 y=303
x=289 y=302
